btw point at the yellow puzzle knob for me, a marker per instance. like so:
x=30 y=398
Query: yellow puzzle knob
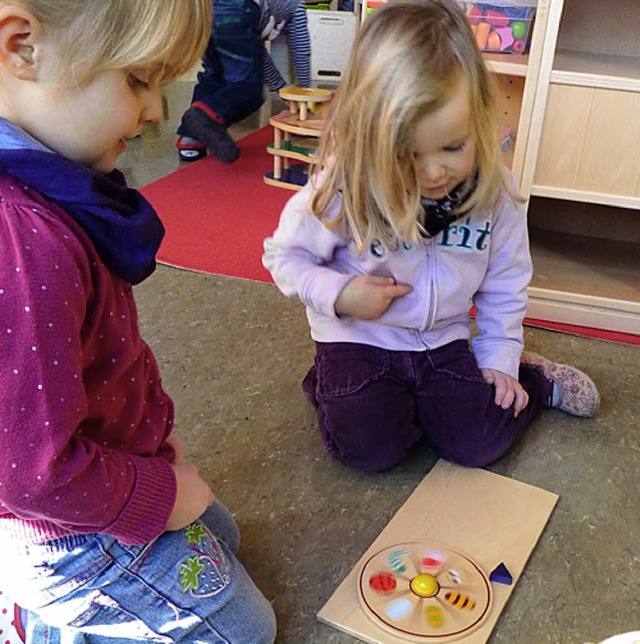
x=425 y=585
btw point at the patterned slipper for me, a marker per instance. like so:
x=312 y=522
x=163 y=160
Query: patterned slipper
x=578 y=394
x=190 y=150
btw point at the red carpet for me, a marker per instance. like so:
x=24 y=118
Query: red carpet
x=574 y=329
x=217 y=217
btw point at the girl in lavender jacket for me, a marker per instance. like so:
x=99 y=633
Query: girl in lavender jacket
x=409 y=221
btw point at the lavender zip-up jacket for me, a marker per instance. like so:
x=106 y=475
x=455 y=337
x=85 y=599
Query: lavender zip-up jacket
x=481 y=260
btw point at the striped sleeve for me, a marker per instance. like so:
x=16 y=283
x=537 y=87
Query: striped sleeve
x=270 y=74
x=300 y=45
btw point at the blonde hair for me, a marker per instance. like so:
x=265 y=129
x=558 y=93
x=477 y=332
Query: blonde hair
x=99 y=35
x=407 y=61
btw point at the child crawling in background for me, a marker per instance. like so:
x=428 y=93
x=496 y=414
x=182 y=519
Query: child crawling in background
x=409 y=220
x=235 y=67
x=107 y=533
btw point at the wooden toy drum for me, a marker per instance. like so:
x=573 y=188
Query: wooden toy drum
x=424 y=592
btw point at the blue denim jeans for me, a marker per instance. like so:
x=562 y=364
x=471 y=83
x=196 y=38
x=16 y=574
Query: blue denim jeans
x=373 y=405
x=185 y=586
x=230 y=82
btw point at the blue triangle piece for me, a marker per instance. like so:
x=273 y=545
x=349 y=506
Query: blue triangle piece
x=501 y=575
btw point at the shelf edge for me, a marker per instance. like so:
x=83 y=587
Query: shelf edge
x=584 y=310
x=571 y=194
x=502 y=65
x=599 y=81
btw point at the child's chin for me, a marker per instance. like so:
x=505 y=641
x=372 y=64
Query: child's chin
x=103 y=166
x=434 y=194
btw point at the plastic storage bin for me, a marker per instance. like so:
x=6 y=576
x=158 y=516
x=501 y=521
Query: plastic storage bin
x=332 y=34
x=501 y=26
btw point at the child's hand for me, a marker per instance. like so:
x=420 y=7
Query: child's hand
x=176 y=443
x=193 y=496
x=367 y=297
x=508 y=390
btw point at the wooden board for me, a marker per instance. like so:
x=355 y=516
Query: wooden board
x=299 y=148
x=491 y=518
x=293 y=178
x=287 y=122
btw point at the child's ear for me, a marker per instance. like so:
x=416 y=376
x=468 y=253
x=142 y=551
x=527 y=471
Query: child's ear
x=20 y=33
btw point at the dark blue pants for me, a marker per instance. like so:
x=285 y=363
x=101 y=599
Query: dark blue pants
x=230 y=82
x=373 y=405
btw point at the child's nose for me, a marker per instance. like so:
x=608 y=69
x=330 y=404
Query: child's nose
x=152 y=110
x=432 y=169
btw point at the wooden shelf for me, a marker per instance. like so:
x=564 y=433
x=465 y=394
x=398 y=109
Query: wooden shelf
x=585 y=280
x=302 y=149
x=584 y=196
x=293 y=178
x=509 y=64
x=591 y=266
x=586 y=260
x=603 y=71
x=573 y=105
x=287 y=122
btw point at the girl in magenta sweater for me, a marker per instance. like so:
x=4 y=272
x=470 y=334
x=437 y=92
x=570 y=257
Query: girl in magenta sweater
x=107 y=534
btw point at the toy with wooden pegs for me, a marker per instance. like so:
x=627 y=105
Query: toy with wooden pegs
x=296 y=132
x=425 y=578
x=424 y=592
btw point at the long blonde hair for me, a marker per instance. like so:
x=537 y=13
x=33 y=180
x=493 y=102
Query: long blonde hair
x=98 y=35
x=407 y=61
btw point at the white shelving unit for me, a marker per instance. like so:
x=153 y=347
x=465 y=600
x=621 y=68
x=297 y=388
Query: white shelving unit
x=517 y=78
x=572 y=104
x=582 y=167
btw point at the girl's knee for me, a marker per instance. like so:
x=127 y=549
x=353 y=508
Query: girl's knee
x=261 y=628
x=478 y=453
x=269 y=626
x=368 y=458
x=220 y=522
x=365 y=439
x=248 y=618
x=471 y=459
x=369 y=464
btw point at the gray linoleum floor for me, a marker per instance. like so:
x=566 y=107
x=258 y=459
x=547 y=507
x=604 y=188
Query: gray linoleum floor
x=233 y=353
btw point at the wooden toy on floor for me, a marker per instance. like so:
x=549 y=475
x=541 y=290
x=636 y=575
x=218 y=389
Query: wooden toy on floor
x=424 y=589
x=501 y=575
x=425 y=578
x=295 y=135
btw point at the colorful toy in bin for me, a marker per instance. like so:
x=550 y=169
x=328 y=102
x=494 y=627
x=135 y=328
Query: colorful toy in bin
x=372 y=5
x=503 y=27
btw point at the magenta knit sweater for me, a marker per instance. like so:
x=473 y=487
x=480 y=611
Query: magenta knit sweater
x=83 y=416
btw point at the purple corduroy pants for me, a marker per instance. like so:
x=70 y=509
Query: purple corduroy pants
x=373 y=405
